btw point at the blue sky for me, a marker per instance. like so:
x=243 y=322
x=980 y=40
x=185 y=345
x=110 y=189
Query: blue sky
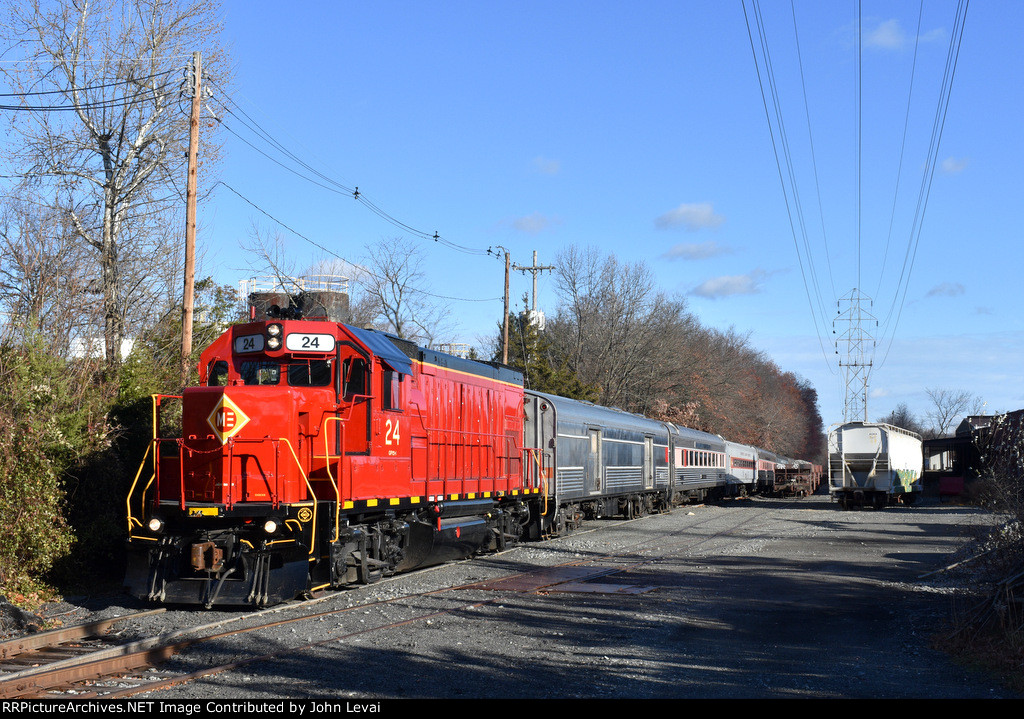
x=639 y=129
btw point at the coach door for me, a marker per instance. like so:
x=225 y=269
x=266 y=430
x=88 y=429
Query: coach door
x=648 y=462
x=595 y=477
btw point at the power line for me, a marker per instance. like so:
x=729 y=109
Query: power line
x=336 y=255
x=129 y=81
x=939 y=122
x=330 y=184
x=91 y=105
x=903 y=144
x=783 y=157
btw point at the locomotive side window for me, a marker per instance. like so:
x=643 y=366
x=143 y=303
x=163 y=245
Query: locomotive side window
x=259 y=373
x=309 y=373
x=218 y=374
x=391 y=390
x=354 y=375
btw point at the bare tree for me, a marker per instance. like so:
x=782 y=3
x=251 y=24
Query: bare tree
x=44 y=283
x=616 y=330
x=901 y=416
x=109 y=138
x=641 y=350
x=947 y=407
x=396 y=285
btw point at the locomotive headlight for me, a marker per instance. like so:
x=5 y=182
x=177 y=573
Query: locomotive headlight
x=274 y=333
x=155 y=524
x=270 y=526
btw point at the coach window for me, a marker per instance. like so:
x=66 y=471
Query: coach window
x=309 y=373
x=391 y=390
x=218 y=374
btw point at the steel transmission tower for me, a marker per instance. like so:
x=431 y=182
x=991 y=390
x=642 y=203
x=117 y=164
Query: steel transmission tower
x=860 y=349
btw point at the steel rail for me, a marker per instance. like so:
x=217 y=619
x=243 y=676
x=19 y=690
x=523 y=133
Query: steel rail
x=40 y=640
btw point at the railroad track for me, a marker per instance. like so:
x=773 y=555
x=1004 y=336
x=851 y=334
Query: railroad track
x=82 y=663
x=60 y=650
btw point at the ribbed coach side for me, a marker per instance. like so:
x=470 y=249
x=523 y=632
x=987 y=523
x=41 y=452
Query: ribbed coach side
x=596 y=461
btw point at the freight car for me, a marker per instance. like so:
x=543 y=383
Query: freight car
x=874 y=464
x=314 y=454
x=795 y=477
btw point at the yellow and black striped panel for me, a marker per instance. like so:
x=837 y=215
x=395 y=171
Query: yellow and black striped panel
x=413 y=502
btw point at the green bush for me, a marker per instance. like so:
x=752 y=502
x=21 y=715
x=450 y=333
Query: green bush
x=49 y=420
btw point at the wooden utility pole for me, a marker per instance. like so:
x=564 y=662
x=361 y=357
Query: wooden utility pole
x=536 y=269
x=504 y=339
x=190 y=221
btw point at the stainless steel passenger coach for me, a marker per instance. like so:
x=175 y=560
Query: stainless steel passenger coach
x=699 y=459
x=597 y=461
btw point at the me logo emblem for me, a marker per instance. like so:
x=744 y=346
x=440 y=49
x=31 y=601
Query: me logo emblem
x=226 y=419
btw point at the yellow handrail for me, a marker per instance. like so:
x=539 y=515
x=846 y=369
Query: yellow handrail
x=131 y=491
x=312 y=494
x=327 y=457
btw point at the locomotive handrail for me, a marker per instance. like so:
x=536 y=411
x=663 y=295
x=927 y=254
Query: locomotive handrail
x=540 y=480
x=131 y=490
x=151 y=446
x=298 y=465
x=231 y=442
x=327 y=456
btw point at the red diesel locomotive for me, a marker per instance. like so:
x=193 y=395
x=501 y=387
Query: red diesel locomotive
x=314 y=454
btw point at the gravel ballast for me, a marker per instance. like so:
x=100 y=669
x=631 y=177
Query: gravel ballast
x=760 y=598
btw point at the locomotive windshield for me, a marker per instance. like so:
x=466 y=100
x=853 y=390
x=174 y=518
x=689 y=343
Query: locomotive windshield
x=299 y=373
x=259 y=373
x=309 y=373
x=218 y=374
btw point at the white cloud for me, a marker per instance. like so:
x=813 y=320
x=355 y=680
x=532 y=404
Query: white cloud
x=946 y=289
x=888 y=35
x=729 y=285
x=693 y=217
x=546 y=166
x=534 y=223
x=951 y=165
x=695 y=251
